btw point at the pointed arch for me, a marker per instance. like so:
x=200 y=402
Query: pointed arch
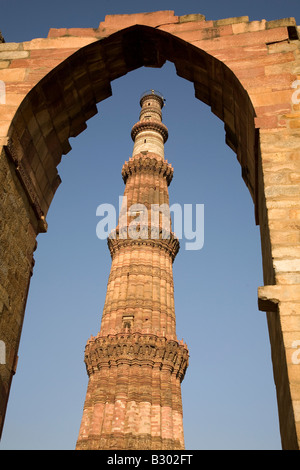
x=51 y=104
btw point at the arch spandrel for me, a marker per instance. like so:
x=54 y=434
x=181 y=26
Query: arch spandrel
x=245 y=71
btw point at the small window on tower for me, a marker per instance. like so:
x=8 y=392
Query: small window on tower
x=144 y=141
x=127 y=322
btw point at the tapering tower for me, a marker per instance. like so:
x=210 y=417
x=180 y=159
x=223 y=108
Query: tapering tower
x=135 y=363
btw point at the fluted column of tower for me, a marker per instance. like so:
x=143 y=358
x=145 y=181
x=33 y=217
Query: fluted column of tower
x=135 y=363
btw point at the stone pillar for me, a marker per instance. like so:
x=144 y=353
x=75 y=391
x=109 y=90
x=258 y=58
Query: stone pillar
x=19 y=227
x=279 y=173
x=135 y=363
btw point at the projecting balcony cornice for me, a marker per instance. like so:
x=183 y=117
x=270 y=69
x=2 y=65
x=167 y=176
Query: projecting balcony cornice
x=147 y=162
x=152 y=126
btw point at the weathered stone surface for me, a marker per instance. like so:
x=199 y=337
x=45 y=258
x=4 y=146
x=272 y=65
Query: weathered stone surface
x=281 y=22
x=135 y=363
x=153 y=19
x=235 y=20
x=57 y=43
x=13 y=75
x=191 y=17
x=13 y=54
x=277 y=293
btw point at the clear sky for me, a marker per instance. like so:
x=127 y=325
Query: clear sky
x=229 y=397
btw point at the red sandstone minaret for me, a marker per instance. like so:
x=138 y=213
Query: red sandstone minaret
x=135 y=363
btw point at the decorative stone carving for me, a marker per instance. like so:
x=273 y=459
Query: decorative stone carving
x=171 y=245
x=136 y=348
x=147 y=163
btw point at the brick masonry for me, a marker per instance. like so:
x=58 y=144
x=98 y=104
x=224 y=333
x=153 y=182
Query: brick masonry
x=245 y=71
x=135 y=363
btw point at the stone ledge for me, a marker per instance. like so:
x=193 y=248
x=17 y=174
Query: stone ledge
x=13 y=54
x=11 y=46
x=269 y=297
x=191 y=17
x=142 y=126
x=234 y=20
x=282 y=22
x=154 y=19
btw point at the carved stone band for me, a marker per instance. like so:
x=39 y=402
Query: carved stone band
x=150 y=125
x=148 y=163
x=171 y=245
x=136 y=348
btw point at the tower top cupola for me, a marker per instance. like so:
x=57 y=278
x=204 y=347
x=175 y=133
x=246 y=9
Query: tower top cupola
x=149 y=133
x=152 y=95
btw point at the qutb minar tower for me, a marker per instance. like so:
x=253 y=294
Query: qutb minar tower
x=135 y=363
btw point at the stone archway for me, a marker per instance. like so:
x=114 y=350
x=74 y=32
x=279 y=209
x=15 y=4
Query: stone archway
x=245 y=71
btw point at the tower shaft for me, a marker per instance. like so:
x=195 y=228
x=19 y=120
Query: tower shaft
x=135 y=363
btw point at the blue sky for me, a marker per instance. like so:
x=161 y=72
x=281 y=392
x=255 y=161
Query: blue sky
x=229 y=398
